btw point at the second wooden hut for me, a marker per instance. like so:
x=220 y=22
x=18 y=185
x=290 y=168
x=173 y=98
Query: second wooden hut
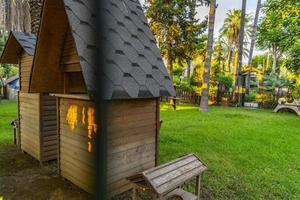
x=37 y=111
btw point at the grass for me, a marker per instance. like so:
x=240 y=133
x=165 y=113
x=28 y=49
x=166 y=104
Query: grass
x=8 y=112
x=251 y=154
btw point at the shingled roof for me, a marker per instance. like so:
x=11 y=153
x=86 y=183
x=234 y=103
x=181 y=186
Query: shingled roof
x=17 y=42
x=26 y=40
x=134 y=64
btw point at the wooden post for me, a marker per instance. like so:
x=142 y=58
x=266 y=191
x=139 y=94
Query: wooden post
x=197 y=188
x=40 y=104
x=58 y=133
x=15 y=136
x=19 y=120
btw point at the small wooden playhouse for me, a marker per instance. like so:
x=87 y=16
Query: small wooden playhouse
x=37 y=111
x=136 y=77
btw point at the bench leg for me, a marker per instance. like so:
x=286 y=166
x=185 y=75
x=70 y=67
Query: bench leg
x=133 y=197
x=197 y=188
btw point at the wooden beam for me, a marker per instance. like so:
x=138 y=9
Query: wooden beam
x=58 y=135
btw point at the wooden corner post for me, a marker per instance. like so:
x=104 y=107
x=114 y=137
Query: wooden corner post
x=157 y=131
x=58 y=133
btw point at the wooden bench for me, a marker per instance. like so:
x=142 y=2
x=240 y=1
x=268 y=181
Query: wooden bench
x=165 y=181
x=288 y=107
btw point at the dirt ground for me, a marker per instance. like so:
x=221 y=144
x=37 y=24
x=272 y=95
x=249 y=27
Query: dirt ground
x=22 y=177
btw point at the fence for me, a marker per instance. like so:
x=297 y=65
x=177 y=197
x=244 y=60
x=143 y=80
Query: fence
x=187 y=96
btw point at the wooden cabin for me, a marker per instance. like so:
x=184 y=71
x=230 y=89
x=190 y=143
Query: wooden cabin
x=37 y=111
x=135 y=78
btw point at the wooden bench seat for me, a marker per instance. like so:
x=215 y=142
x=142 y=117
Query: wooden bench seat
x=166 y=179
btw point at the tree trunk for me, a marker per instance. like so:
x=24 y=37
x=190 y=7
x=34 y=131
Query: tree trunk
x=253 y=38
x=170 y=67
x=188 y=70
x=274 y=63
x=35 y=14
x=228 y=63
x=240 y=53
x=8 y=24
x=206 y=74
x=268 y=63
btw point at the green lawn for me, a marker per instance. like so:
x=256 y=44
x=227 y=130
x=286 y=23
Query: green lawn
x=251 y=154
x=8 y=112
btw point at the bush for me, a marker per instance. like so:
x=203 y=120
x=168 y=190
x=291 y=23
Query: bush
x=226 y=80
x=266 y=100
x=251 y=97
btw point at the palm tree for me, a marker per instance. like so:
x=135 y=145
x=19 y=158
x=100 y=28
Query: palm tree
x=206 y=74
x=230 y=34
x=35 y=14
x=253 y=38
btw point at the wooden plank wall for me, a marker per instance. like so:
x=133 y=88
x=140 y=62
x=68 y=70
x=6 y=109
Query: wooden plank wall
x=48 y=128
x=131 y=143
x=73 y=79
x=77 y=164
x=131 y=140
x=69 y=56
x=30 y=123
x=25 y=70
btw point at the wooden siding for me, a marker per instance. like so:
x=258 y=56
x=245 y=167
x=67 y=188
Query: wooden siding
x=25 y=70
x=48 y=128
x=69 y=54
x=38 y=125
x=76 y=163
x=30 y=123
x=70 y=66
x=131 y=143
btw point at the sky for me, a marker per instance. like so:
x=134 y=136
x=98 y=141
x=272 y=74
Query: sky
x=223 y=7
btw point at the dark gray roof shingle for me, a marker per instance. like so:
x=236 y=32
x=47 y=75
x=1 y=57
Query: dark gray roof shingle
x=135 y=67
x=26 y=40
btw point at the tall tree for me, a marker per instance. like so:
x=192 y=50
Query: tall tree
x=293 y=58
x=165 y=27
x=253 y=39
x=254 y=32
x=279 y=28
x=193 y=38
x=230 y=34
x=240 y=53
x=14 y=15
x=35 y=14
x=171 y=21
x=210 y=42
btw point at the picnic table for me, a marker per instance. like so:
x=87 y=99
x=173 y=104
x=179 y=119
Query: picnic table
x=165 y=181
